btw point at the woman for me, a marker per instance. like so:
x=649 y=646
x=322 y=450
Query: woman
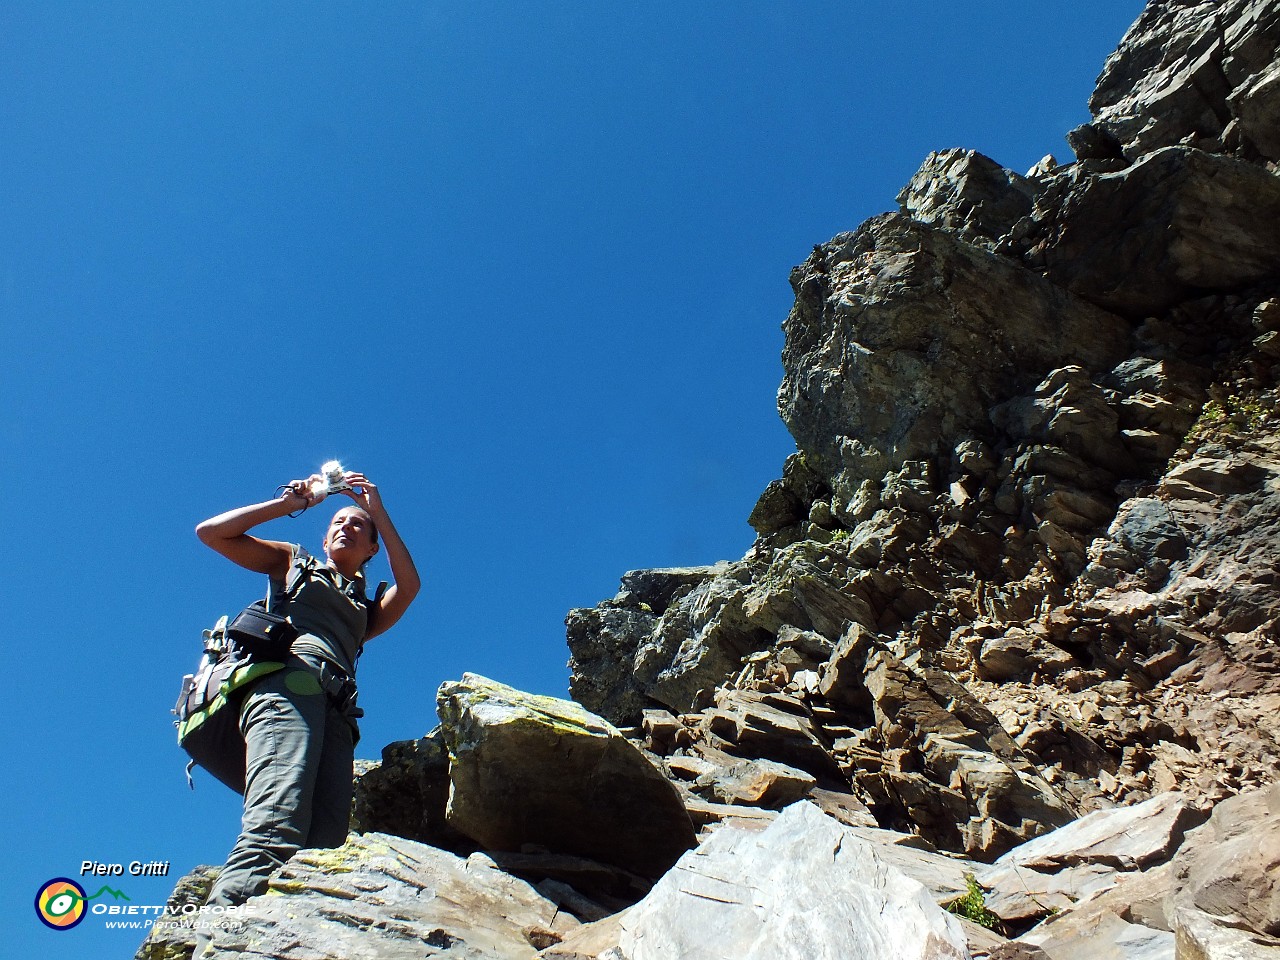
x=299 y=723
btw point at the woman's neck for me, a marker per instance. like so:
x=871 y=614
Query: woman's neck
x=350 y=575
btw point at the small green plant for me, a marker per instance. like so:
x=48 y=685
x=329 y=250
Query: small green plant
x=973 y=905
x=838 y=535
x=1233 y=415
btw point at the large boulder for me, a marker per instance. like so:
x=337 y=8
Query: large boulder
x=535 y=770
x=805 y=886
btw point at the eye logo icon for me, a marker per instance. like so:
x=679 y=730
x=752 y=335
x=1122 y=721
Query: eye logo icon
x=60 y=903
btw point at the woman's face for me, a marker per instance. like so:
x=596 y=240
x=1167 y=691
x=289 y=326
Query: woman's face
x=349 y=541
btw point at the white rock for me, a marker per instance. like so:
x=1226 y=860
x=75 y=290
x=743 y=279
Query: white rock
x=804 y=888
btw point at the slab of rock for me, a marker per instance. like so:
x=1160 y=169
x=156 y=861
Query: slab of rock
x=1020 y=894
x=1226 y=880
x=389 y=898
x=803 y=887
x=705 y=812
x=1081 y=860
x=1214 y=900
x=1211 y=224
x=843 y=806
x=1125 y=838
x=758 y=783
x=528 y=769
x=1100 y=936
x=1136 y=898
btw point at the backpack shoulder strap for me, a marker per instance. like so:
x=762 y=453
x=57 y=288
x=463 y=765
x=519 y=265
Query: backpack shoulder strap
x=299 y=567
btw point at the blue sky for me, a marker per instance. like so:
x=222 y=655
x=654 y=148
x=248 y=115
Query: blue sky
x=524 y=265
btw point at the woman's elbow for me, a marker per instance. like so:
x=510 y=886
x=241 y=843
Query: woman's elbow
x=207 y=532
x=410 y=590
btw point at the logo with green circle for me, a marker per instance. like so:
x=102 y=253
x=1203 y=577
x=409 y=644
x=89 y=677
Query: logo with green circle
x=60 y=903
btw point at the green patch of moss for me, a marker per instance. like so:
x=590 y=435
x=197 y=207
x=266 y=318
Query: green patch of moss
x=344 y=859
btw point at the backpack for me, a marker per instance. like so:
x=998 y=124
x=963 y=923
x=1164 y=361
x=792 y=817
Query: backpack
x=208 y=707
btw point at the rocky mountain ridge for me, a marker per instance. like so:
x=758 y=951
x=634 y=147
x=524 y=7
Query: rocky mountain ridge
x=1008 y=631
x=1037 y=466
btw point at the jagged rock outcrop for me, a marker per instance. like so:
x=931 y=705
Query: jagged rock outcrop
x=1036 y=420
x=1201 y=72
x=407 y=794
x=896 y=350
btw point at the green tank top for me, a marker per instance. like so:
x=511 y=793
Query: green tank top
x=329 y=610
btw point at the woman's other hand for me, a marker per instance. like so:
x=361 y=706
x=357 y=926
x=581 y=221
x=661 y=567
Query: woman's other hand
x=363 y=492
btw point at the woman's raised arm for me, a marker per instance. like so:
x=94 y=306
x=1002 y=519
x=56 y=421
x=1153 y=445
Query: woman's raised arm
x=407 y=583
x=228 y=533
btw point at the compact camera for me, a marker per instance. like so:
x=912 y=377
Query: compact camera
x=331 y=480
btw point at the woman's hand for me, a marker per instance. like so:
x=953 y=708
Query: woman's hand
x=302 y=493
x=364 y=493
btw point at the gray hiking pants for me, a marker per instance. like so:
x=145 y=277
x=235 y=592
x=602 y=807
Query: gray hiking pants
x=298 y=764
